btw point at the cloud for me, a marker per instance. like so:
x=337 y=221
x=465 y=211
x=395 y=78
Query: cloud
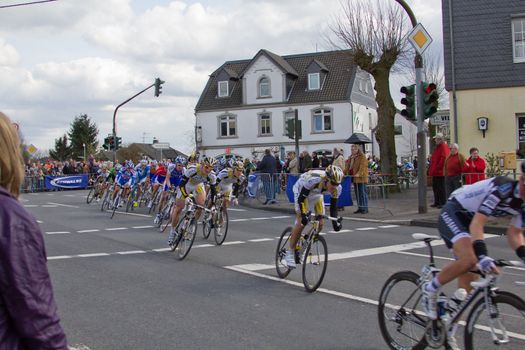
x=8 y=54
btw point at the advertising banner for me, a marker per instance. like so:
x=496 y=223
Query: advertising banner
x=67 y=182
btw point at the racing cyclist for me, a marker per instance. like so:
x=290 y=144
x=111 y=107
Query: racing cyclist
x=461 y=225
x=171 y=178
x=308 y=196
x=142 y=171
x=228 y=183
x=123 y=180
x=192 y=182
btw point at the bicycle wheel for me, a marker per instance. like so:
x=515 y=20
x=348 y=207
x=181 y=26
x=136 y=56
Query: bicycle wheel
x=131 y=199
x=154 y=201
x=91 y=195
x=280 y=253
x=314 y=262
x=221 y=230
x=186 y=240
x=401 y=321
x=165 y=218
x=116 y=203
x=105 y=200
x=509 y=313
x=206 y=225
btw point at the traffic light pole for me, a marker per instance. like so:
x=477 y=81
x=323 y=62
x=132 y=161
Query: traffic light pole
x=115 y=117
x=421 y=136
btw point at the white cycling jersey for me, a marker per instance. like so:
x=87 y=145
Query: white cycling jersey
x=312 y=181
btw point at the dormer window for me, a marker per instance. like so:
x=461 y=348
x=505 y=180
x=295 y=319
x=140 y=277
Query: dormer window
x=264 y=87
x=223 y=89
x=314 y=81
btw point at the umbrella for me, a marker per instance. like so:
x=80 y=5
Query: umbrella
x=358 y=138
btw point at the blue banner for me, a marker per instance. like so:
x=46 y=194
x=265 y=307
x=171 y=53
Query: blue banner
x=69 y=182
x=345 y=200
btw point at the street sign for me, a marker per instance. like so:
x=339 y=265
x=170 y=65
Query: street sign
x=31 y=149
x=419 y=38
x=161 y=145
x=440 y=119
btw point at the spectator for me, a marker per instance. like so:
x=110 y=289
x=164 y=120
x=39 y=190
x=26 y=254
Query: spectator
x=324 y=161
x=306 y=163
x=358 y=166
x=338 y=158
x=315 y=161
x=293 y=166
x=474 y=167
x=28 y=313
x=452 y=170
x=267 y=168
x=437 y=165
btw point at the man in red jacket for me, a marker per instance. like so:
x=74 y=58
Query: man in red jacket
x=437 y=164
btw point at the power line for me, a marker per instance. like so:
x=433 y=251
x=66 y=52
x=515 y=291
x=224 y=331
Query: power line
x=26 y=3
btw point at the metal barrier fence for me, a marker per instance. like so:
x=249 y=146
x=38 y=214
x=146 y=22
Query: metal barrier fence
x=38 y=183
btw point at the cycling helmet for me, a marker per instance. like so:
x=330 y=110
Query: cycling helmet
x=143 y=162
x=118 y=167
x=129 y=164
x=209 y=161
x=334 y=174
x=239 y=165
x=154 y=162
x=180 y=160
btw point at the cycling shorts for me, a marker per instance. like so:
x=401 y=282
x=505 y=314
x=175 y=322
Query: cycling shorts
x=454 y=222
x=192 y=189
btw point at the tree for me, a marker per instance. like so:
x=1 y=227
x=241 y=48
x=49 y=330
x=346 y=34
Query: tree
x=62 y=150
x=375 y=33
x=83 y=131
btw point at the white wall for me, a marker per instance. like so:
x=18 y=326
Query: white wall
x=263 y=67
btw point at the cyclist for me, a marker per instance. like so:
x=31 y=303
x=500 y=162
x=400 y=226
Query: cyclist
x=229 y=181
x=461 y=225
x=308 y=195
x=123 y=179
x=192 y=182
x=175 y=172
x=159 y=177
x=142 y=171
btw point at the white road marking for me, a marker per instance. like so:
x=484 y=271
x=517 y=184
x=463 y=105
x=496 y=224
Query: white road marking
x=147 y=226
x=69 y=195
x=86 y=231
x=40 y=221
x=388 y=226
x=131 y=252
x=57 y=232
x=30 y=205
x=161 y=250
x=267 y=218
x=366 y=228
x=50 y=194
x=59 y=257
x=236 y=209
x=92 y=255
x=204 y=245
x=48 y=206
x=116 y=228
x=341 y=231
x=239 y=220
x=281 y=217
x=260 y=240
x=233 y=242
x=64 y=205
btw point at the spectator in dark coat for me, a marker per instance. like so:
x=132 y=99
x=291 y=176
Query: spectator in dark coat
x=315 y=161
x=28 y=312
x=267 y=167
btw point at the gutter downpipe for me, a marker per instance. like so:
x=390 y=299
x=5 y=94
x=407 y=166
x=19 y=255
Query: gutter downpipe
x=453 y=68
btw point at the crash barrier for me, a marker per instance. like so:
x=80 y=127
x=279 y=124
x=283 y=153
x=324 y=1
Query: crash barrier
x=42 y=183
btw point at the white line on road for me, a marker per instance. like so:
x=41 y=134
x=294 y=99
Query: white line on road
x=64 y=205
x=59 y=257
x=131 y=252
x=388 y=226
x=147 y=226
x=239 y=220
x=161 y=250
x=236 y=209
x=204 y=245
x=341 y=231
x=49 y=206
x=260 y=240
x=30 y=205
x=86 y=231
x=267 y=218
x=133 y=214
x=69 y=195
x=233 y=242
x=366 y=228
x=57 y=232
x=92 y=255
x=40 y=221
x=116 y=228
x=281 y=217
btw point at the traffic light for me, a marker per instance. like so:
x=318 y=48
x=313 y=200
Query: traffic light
x=409 y=101
x=106 y=143
x=430 y=99
x=111 y=143
x=118 y=142
x=158 y=86
x=290 y=128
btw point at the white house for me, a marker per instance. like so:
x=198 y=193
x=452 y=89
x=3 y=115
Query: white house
x=245 y=104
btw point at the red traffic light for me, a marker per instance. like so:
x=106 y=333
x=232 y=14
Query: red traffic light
x=430 y=87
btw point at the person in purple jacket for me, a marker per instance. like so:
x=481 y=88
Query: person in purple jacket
x=28 y=312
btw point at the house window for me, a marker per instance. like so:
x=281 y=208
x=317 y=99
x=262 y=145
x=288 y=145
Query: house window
x=264 y=87
x=289 y=115
x=265 y=125
x=314 y=82
x=227 y=126
x=520 y=137
x=322 y=120
x=398 y=130
x=518 y=39
x=223 y=89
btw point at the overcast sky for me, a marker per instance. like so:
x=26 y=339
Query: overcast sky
x=65 y=58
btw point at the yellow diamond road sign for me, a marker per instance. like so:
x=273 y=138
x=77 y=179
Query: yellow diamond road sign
x=32 y=149
x=419 y=38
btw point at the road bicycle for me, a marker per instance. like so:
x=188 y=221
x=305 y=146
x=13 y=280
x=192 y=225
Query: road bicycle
x=97 y=190
x=116 y=202
x=216 y=219
x=496 y=318
x=311 y=252
x=106 y=197
x=165 y=212
x=132 y=198
x=186 y=228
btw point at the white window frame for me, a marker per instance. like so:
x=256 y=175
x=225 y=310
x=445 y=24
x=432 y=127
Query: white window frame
x=521 y=21
x=286 y=116
x=259 y=90
x=223 y=83
x=266 y=120
x=322 y=112
x=310 y=76
x=229 y=119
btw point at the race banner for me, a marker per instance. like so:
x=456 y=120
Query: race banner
x=67 y=182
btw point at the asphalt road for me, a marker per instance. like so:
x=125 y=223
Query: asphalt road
x=117 y=286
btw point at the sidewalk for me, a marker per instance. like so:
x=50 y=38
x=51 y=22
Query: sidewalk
x=399 y=208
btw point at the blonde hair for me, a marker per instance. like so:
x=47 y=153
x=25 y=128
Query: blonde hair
x=11 y=163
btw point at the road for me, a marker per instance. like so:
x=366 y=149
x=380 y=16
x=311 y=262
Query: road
x=117 y=286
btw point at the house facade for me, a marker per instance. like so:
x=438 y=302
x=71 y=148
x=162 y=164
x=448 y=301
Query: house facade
x=484 y=47
x=246 y=104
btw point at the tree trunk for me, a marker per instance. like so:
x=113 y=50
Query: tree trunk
x=386 y=112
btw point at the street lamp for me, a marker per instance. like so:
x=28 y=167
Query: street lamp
x=84 y=145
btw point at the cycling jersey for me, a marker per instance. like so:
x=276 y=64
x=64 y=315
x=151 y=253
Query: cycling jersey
x=495 y=197
x=141 y=172
x=195 y=179
x=175 y=175
x=160 y=175
x=124 y=176
x=227 y=181
x=308 y=193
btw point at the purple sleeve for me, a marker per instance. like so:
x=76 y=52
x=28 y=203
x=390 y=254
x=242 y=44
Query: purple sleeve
x=25 y=285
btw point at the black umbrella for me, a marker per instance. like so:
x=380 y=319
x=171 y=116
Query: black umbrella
x=358 y=138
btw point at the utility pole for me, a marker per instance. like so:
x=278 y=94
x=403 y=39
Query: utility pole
x=421 y=136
